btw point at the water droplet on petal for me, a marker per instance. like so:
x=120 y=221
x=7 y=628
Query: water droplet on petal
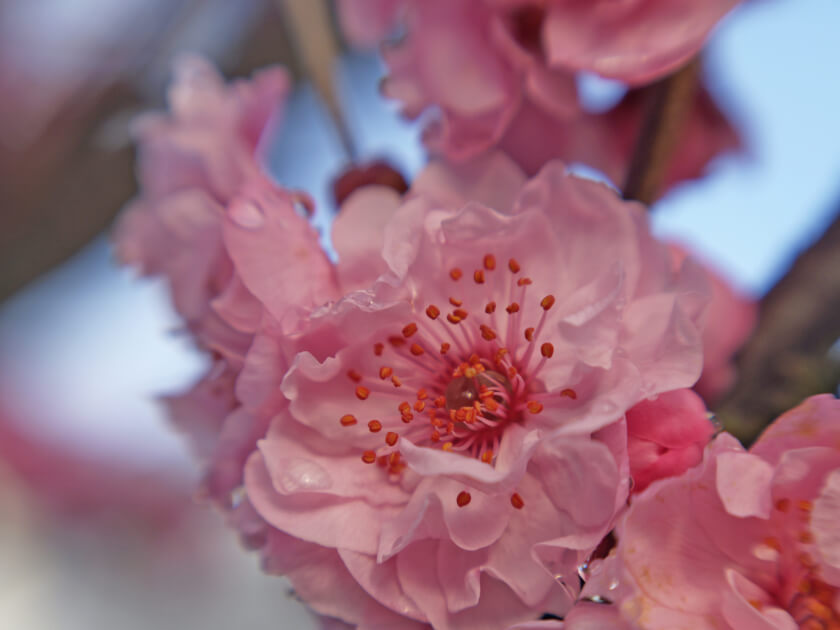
x=765 y=552
x=583 y=571
x=301 y=475
x=246 y=214
x=716 y=423
x=613 y=584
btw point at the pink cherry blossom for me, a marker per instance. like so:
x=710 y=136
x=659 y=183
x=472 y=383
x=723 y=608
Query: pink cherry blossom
x=730 y=320
x=453 y=428
x=747 y=540
x=666 y=436
x=204 y=200
x=501 y=73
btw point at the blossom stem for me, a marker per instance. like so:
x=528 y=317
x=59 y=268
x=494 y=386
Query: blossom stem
x=669 y=101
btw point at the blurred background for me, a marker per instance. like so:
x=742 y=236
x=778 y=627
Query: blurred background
x=98 y=526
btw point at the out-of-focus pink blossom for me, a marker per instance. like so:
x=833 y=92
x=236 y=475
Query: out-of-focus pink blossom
x=666 y=436
x=730 y=320
x=501 y=73
x=746 y=541
x=204 y=201
x=453 y=428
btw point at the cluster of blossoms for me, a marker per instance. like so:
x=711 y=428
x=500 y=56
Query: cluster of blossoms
x=482 y=412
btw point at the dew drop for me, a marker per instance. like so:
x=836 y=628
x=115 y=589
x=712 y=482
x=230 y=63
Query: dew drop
x=301 y=474
x=246 y=214
x=765 y=552
x=613 y=584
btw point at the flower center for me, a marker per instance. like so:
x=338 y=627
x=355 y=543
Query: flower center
x=813 y=604
x=460 y=379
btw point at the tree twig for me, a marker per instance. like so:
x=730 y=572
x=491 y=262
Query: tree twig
x=787 y=358
x=669 y=101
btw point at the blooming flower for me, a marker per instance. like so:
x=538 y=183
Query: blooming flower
x=747 y=540
x=514 y=84
x=201 y=187
x=666 y=436
x=437 y=424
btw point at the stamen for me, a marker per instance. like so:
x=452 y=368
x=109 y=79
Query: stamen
x=354 y=376
x=362 y=392
x=416 y=350
x=385 y=372
x=487 y=457
x=569 y=393
x=512 y=308
x=444 y=348
x=513 y=265
x=487 y=333
x=396 y=381
x=348 y=420
x=529 y=334
x=455 y=274
x=783 y=505
x=378 y=348
x=547 y=350
x=375 y=426
x=463 y=498
x=523 y=282
x=422 y=394
x=409 y=329
x=368 y=457
x=453 y=319
x=460 y=313
x=391 y=438
x=516 y=501
x=534 y=406
x=446 y=446
x=478 y=276
x=489 y=262
x=455 y=301
x=547 y=302
x=396 y=342
x=432 y=311
x=490 y=308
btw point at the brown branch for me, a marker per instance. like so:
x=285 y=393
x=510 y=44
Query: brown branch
x=669 y=102
x=787 y=358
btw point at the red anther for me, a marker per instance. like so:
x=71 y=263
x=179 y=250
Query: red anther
x=444 y=348
x=547 y=350
x=460 y=414
x=407 y=417
x=529 y=334
x=516 y=501
x=375 y=426
x=437 y=422
x=432 y=311
x=435 y=436
x=368 y=457
x=455 y=273
x=453 y=319
x=394 y=458
x=534 y=406
x=490 y=308
x=362 y=392
x=463 y=498
x=391 y=438
x=396 y=341
x=378 y=348
x=474 y=359
x=783 y=505
x=455 y=301
x=419 y=406
x=385 y=372
x=478 y=276
x=354 y=376
x=460 y=313
x=348 y=420
x=469 y=415
x=487 y=457
x=547 y=302
x=446 y=446
x=487 y=332
x=489 y=262
x=440 y=402
x=382 y=460
x=569 y=393
x=513 y=265
x=405 y=407
x=416 y=350
x=409 y=329
x=450 y=427
x=512 y=308
x=512 y=372
x=523 y=281
x=491 y=405
x=422 y=394
x=805 y=506
x=396 y=381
